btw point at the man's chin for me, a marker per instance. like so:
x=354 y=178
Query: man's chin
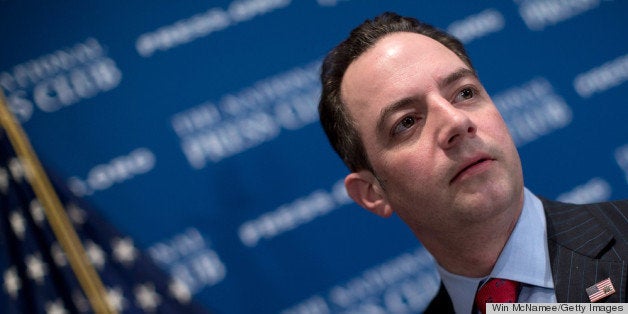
x=481 y=204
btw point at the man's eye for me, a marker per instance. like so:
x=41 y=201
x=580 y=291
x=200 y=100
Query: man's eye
x=465 y=94
x=404 y=124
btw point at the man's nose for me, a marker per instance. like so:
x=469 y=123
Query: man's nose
x=453 y=124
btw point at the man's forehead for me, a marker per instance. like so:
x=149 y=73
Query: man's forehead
x=397 y=44
x=401 y=48
x=396 y=58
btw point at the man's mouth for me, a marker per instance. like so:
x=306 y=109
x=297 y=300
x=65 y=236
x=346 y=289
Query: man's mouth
x=472 y=167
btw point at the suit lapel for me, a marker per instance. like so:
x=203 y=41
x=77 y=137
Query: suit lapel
x=441 y=304
x=582 y=253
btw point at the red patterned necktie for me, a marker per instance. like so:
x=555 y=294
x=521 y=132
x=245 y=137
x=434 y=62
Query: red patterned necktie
x=497 y=290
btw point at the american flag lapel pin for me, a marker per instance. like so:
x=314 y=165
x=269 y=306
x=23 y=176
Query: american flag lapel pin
x=600 y=290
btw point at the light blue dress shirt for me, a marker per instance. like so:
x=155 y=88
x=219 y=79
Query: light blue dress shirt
x=525 y=259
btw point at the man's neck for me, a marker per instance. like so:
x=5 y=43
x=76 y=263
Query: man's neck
x=472 y=250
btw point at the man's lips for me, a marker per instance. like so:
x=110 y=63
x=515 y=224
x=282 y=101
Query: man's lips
x=472 y=165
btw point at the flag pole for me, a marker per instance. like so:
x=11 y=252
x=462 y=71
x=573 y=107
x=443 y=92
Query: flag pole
x=57 y=217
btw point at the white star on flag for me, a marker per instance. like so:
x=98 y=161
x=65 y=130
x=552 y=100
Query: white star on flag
x=116 y=299
x=180 y=291
x=81 y=302
x=76 y=214
x=17 y=224
x=17 y=171
x=58 y=255
x=35 y=268
x=95 y=254
x=55 y=307
x=12 y=282
x=37 y=211
x=146 y=297
x=124 y=251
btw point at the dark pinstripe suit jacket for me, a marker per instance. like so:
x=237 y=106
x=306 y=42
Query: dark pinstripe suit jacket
x=587 y=243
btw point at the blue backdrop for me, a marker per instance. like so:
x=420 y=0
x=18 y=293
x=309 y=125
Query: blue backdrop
x=192 y=126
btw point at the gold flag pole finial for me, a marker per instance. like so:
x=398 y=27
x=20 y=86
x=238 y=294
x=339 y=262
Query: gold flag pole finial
x=66 y=235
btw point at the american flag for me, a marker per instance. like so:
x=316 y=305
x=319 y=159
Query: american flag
x=34 y=270
x=600 y=290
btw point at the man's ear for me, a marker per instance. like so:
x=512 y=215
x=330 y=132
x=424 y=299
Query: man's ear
x=365 y=190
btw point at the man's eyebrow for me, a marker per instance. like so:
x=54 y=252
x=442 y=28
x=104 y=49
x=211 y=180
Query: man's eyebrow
x=457 y=75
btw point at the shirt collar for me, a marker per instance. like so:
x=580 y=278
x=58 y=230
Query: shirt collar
x=523 y=259
x=520 y=260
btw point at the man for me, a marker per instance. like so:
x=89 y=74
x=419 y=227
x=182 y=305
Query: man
x=403 y=107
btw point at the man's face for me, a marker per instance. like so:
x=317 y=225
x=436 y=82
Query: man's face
x=437 y=143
